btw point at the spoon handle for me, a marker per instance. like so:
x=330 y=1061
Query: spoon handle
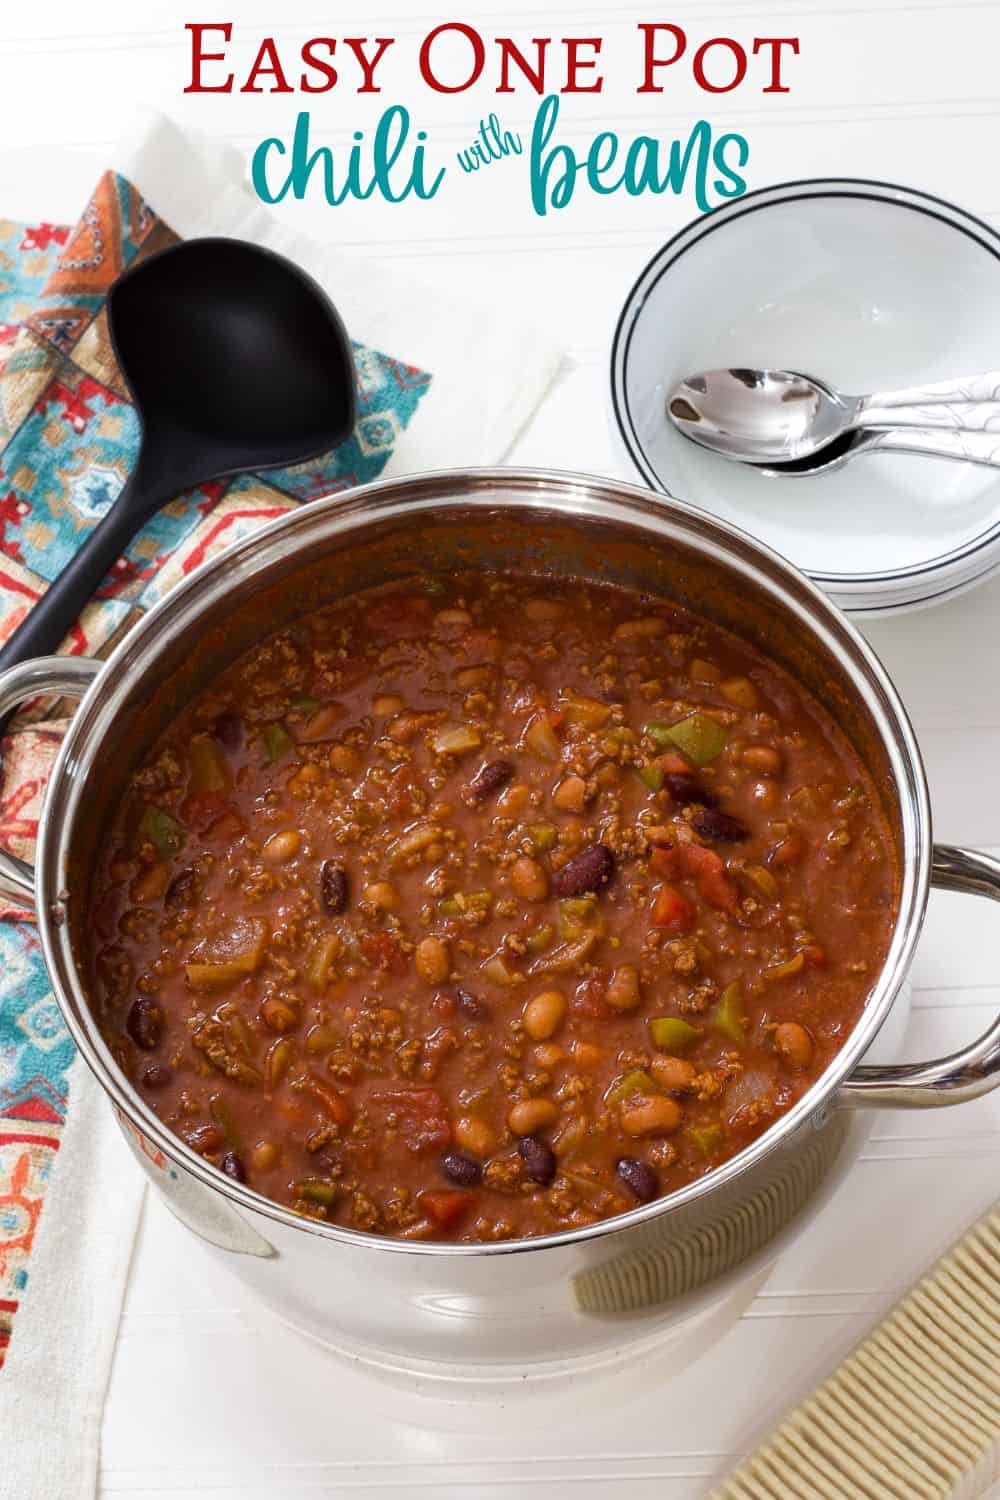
x=967 y=447
x=958 y=416
x=48 y=623
x=963 y=390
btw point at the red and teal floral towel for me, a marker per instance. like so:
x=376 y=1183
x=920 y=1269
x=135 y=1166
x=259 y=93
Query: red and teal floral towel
x=68 y=437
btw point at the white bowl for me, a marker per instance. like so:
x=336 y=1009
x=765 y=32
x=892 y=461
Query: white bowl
x=869 y=286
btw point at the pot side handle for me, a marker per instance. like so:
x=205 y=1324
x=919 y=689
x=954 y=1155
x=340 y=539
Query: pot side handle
x=45 y=676
x=965 y=1074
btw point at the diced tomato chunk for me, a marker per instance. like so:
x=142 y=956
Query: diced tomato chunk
x=402 y=785
x=671 y=911
x=443 y=1206
x=423 y=1114
x=383 y=952
x=814 y=956
x=202 y=809
x=706 y=868
x=399 y=614
x=588 y=1002
x=332 y=1103
x=673 y=763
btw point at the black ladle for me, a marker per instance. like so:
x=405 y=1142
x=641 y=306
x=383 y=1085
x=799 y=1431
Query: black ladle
x=236 y=361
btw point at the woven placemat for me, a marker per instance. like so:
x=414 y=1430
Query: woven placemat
x=914 y=1412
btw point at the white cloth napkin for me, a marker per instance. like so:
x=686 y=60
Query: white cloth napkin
x=489 y=375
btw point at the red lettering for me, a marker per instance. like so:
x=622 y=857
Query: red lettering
x=268 y=63
x=575 y=64
x=776 y=43
x=700 y=76
x=509 y=53
x=198 y=57
x=478 y=57
x=357 y=46
x=650 y=61
x=325 y=69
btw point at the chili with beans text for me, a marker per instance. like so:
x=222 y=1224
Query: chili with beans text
x=488 y=909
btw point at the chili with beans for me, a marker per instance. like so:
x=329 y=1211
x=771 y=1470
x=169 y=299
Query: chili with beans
x=488 y=908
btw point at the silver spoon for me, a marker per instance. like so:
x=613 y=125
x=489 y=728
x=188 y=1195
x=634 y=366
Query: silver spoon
x=777 y=416
x=963 y=446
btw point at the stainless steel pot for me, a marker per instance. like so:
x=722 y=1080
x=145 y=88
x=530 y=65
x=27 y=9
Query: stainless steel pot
x=479 y=1314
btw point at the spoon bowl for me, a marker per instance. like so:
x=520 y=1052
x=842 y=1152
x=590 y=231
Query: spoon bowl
x=760 y=416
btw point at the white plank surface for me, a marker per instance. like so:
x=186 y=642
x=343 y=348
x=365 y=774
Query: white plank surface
x=209 y=1397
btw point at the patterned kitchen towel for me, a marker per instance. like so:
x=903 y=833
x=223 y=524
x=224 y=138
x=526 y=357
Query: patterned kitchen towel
x=68 y=436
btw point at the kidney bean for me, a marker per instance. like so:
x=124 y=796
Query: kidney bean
x=470 y=1005
x=639 y=1176
x=182 y=890
x=489 y=779
x=719 y=825
x=458 y=1167
x=685 y=788
x=144 y=1023
x=333 y=887
x=233 y=1167
x=156 y=1075
x=538 y=1157
x=228 y=730
x=590 y=870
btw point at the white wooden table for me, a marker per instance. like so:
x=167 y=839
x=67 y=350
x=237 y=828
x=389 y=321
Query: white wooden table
x=209 y=1397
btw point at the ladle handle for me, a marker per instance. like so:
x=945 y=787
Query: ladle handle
x=50 y=620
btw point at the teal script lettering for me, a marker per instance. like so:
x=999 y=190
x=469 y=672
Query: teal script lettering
x=388 y=166
x=644 y=165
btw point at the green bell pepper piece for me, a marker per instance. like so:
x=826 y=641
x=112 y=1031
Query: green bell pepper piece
x=698 y=737
x=277 y=742
x=158 y=828
x=671 y=1034
x=707 y=1138
x=728 y=1016
x=634 y=1082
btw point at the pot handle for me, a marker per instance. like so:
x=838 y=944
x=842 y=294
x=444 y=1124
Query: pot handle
x=965 y=1074
x=44 y=676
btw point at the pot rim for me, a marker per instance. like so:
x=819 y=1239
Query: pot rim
x=567 y=494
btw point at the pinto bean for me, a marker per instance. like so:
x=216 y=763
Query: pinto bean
x=762 y=758
x=793 y=1045
x=529 y=1115
x=649 y=1114
x=529 y=879
x=675 y=1074
x=544 y=1015
x=624 y=992
x=281 y=847
x=433 y=960
x=474 y=1136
